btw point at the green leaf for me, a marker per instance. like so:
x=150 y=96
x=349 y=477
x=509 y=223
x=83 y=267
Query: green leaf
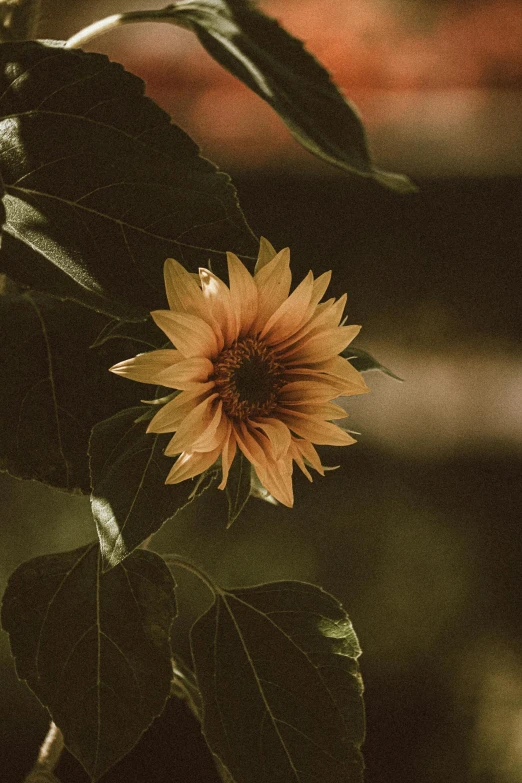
x=130 y=499
x=364 y=362
x=55 y=387
x=94 y=648
x=282 y=695
x=277 y=67
x=238 y=487
x=100 y=187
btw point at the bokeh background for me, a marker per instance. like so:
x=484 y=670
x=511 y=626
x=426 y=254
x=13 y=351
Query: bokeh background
x=418 y=532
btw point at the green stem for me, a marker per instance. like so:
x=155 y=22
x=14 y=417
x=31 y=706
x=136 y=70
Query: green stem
x=117 y=20
x=176 y=560
x=48 y=758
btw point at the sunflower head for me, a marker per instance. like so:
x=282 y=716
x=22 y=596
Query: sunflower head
x=257 y=368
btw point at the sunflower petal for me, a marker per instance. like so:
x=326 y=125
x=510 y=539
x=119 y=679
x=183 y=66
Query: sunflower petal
x=148 y=367
x=190 y=464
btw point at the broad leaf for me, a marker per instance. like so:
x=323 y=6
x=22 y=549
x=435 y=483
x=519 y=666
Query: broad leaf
x=130 y=499
x=55 y=387
x=276 y=66
x=238 y=487
x=282 y=696
x=364 y=362
x=94 y=648
x=100 y=187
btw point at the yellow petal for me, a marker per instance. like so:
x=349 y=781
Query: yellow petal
x=189 y=465
x=265 y=255
x=273 y=284
x=147 y=367
x=185 y=373
x=277 y=433
x=276 y=477
x=321 y=432
x=323 y=345
x=306 y=392
x=227 y=455
x=194 y=425
x=190 y=334
x=341 y=368
x=325 y=410
x=243 y=293
x=219 y=302
x=170 y=415
x=254 y=445
x=183 y=292
x=310 y=454
x=289 y=315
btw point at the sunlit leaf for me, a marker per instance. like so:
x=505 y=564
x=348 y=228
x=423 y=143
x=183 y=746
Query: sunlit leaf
x=276 y=66
x=282 y=696
x=237 y=487
x=55 y=387
x=364 y=362
x=130 y=499
x=94 y=648
x=100 y=188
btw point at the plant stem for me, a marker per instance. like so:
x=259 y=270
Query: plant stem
x=117 y=20
x=176 y=560
x=48 y=757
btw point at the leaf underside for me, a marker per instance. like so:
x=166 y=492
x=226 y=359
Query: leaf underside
x=365 y=362
x=282 y=696
x=278 y=68
x=55 y=387
x=130 y=499
x=99 y=186
x=94 y=648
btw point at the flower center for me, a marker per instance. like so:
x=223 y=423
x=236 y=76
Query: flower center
x=248 y=379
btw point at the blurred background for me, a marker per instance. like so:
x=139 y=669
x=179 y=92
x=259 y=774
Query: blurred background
x=418 y=531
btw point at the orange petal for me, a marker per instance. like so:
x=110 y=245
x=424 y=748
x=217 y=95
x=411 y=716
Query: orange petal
x=277 y=433
x=254 y=445
x=183 y=292
x=219 y=303
x=243 y=293
x=321 y=432
x=190 y=334
x=310 y=454
x=200 y=419
x=185 y=373
x=324 y=410
x=276 y=477
x=324 y=345
x=189 y=465
x=326 y=316
x=341 y=368
x=170 y=415
x=265 y=255
x=289 y=315
x=147 y=367
x=308 y=391
x=273 y=284
x=227 y=455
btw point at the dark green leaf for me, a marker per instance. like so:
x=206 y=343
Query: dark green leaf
x=94 y=648
x=130 y=499
x=238 y=487
x=55 y=387
x=276 y=66
x=364 y=362
x=282 y=695
x=100 y=187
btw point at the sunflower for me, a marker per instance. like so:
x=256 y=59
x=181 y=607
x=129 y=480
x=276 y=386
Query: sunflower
x=256 y=368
